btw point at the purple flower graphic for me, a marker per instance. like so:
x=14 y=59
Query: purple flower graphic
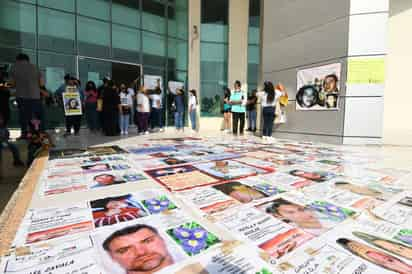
x=158 y=205
x=192 y=240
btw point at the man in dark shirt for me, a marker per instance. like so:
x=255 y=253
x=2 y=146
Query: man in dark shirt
x=27 y=80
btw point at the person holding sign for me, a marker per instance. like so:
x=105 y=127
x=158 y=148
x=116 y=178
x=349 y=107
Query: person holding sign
x=72 y=102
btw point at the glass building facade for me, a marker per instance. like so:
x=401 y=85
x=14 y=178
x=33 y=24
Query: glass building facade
x=253 y=52
x=213 y=54
x=82 y=37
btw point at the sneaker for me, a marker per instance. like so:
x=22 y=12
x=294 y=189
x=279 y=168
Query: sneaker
x=122 y=132
x=161 y=130
x=146 y=133
x=126 y=133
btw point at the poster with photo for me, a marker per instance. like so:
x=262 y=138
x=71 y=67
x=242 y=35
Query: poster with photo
x=269 y=234
x=173 y=86
x=163 y=239
x=315 y=217
x=207 y=200
x=72 y=103
x=51 y=223
x=284 y=180
x=240 y=192
x=369 y=244
x=397 y=210
x=180 y=178
x=113 y=178
x=227 y=169
x=58 y=257
x=65 y=184
x=318 y=88
x=232 y=258
x=152 y=81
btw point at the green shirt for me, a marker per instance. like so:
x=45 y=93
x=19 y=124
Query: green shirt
x=237 y=96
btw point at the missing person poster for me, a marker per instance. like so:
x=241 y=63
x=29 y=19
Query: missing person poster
x=72 y=102
x=173 y=86
x=318 y=88
x=153 y=81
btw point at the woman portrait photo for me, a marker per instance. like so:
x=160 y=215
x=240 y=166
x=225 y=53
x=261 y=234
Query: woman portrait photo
x=112 y=210
x=72 y=104
x=375 y=256
x=307 y=96
x=240 y=192
x=387 y=245
x=331 y=100
x=318 y=176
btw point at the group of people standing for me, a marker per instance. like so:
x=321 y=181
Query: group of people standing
x=236 y=107
x=111 y=108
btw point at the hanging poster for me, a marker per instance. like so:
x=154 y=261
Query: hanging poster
x=318 y=88
x=72 y=102
x=173 y=86
x=153 y=81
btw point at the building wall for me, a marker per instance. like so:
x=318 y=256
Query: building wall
x=299 y=35
x=398 y=96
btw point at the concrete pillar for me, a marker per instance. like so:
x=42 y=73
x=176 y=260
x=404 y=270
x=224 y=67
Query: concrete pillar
x=238 y=42
x=194 y=49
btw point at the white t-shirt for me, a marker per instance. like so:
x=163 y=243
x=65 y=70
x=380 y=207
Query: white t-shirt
x=263 y=97
x=192 y=102
x=131 y=91
x=126 y=99
x=143 y=103
x=156 y=99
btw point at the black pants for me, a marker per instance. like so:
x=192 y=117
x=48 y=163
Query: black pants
x=268 y=119
x=28 y=109
x=238 y=117
x=73 y=122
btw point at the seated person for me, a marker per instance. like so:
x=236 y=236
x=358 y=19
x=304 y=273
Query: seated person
x=5 y=143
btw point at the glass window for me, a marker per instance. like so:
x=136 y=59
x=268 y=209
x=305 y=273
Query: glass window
x=214 y=20
x=154 y=49
x=178 y=20
x=94 y=8
x=17 y=24
x=93 y=37
x=126 y=12
x=126 y=43
x=54 y=67
x=51 y=36
x=67 y=5
x=153 y=16
x=213 y=55
x=177 y=51
x=254 y=42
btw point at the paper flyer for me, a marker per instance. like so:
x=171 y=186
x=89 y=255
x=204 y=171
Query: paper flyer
x=53 y=258
x=271 y=235
x=163 y=241
x=50 y=223
x=72 y=103
x=397 y=210
x=228 y=169
x=173 y=86
x=231 y=258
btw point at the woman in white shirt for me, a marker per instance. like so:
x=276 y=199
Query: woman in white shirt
x=192 y=108
x=269 y=98
x=143 y=111
x=126 y=104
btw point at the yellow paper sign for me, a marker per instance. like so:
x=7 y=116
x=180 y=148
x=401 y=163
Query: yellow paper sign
x=366 y=70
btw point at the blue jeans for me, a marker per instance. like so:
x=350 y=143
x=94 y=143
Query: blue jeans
x=268 y=119
x=179 y=120
x=14 y=150
x=192 y=115
x=92 y=117
x=124 y=122
x=251 y=120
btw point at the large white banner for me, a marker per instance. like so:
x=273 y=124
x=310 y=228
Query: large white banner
x=318 y=88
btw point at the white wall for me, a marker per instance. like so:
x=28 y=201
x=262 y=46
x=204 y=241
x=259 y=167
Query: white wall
x=397 y=127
